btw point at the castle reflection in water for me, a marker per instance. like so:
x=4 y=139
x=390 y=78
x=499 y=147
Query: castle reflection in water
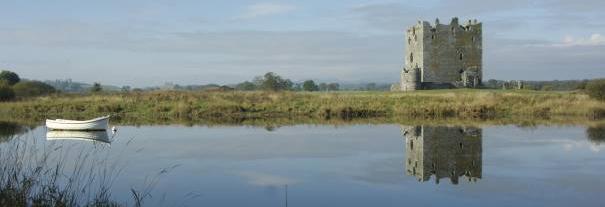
x=443 y=151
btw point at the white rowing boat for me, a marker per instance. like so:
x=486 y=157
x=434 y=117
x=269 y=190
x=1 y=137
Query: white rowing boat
x=100 y=123
x=94 y=136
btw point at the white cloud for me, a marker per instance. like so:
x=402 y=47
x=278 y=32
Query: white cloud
x=265 y=9
x=594 y=40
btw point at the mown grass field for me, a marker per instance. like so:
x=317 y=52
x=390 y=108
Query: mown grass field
x=435 y=104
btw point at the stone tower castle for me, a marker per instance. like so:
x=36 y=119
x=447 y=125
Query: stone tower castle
x=442 y=56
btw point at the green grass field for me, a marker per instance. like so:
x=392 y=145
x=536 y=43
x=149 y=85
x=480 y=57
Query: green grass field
x=433 y=104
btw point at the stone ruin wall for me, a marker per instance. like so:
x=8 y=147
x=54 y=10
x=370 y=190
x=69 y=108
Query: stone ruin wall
x=442 y=55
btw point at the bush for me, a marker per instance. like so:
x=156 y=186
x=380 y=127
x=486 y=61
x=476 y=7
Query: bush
x=11 y=77
x=273 y=82
x=32 y=88
x=309 y=85
x=596 y=89
x=6 y=92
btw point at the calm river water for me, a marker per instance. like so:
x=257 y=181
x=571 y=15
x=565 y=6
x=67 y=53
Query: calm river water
x=350 y=165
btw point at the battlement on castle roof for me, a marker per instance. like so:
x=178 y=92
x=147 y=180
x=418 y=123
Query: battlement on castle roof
x=454 y=22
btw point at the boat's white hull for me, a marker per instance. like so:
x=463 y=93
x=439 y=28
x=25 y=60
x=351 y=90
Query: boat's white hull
x=101 y=123
x=95 y=136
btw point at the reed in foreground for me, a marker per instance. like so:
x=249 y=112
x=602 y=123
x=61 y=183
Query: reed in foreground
x=59 y=175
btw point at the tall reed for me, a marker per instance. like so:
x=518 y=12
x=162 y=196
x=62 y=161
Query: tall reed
x=60 y=174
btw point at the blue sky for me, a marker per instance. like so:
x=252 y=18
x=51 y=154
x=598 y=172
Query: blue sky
x=143 y=43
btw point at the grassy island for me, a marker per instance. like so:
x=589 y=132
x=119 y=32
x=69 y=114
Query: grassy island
x=183 y=105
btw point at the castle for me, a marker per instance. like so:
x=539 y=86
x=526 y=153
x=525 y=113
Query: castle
x=446 y=152
x=442 y=56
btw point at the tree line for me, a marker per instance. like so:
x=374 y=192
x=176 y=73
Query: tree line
x=273 y=82
x=13 y=87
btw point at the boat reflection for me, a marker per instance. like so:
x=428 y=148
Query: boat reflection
x=92 y=136
x=443 y=151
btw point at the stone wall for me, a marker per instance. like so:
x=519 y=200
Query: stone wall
x=443 y=54
x=410 y=79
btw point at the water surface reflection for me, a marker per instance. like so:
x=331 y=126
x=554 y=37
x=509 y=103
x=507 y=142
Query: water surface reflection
x=443 y=151
x=9 y=130
x=91 y=136
x=345 y=165
x=596 y=134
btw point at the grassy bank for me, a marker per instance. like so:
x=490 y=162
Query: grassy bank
x=482 y=104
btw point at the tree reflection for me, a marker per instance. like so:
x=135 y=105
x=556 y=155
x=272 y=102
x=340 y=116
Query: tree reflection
x=596 y=134
x=9 y=130
x=444 y=152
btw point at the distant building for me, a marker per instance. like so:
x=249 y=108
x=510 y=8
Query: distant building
x=442 y=56
x=513 y=84
x=169 y=86
x=445 y=152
